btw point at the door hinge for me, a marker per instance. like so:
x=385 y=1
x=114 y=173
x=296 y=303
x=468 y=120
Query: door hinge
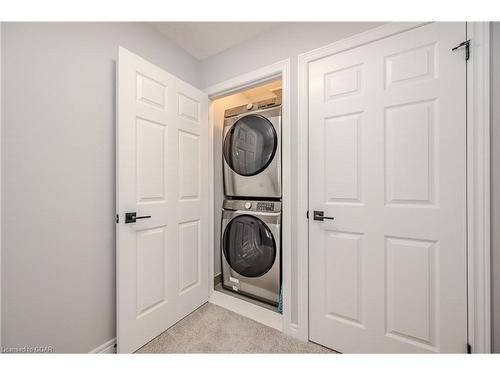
x=466 y=45
x=117 y=218
x=307 y=214
x=469 y=348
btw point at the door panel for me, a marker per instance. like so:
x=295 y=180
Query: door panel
x=343 y=270
x=411 y=286
x=151 y=268
x=409 y=146
x=342 y=157
x=190 y=253
x=387 y=161
x=151 y=161
x=189 y=165
x=162 y=141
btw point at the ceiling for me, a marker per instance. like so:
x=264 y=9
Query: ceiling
x=205 y=39
x=263 y=92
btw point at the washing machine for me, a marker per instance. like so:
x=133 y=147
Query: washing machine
x=252 y=150
x=251 y=248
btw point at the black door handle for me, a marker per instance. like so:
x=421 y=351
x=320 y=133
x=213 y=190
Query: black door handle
x=319 y=216
x=131 y=217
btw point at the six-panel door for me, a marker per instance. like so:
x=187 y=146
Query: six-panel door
x=387 y=161
x=162 y=156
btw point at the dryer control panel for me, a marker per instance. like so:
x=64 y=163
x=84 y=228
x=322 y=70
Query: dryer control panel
x=263 y=104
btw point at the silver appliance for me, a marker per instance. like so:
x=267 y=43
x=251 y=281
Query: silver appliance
x=252 y=150
x=251 y=248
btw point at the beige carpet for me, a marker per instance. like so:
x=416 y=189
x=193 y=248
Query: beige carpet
x=212 y=329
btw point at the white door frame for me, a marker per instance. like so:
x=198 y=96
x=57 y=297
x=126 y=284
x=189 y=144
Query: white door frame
x=478 y=187
x=478 y=174
x=0 y=185
x=231 y=86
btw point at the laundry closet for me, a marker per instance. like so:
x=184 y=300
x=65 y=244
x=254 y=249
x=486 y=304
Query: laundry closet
x=247 y=212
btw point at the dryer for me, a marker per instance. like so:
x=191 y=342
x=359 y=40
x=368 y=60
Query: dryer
x=251 y=248
x=252 y=150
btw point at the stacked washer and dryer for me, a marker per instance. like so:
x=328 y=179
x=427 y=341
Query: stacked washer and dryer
x=251 y=216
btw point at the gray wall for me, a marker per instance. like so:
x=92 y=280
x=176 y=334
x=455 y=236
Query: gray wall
x=58 y=169
x=495 y=188
x=58 y=262
x=281 y=42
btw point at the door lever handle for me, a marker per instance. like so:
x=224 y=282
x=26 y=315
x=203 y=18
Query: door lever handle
x=320 y=216
x=131 y=217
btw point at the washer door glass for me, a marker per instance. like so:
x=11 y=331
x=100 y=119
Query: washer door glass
x=249 y=246
x=250 y=145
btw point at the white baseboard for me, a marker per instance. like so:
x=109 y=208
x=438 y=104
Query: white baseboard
x=106 y=348
x=259 y=314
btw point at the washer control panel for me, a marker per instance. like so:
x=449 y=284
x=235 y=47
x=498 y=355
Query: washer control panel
x=248 y=205
x=265 y=206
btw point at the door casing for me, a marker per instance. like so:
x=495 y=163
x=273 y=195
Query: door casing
x=0 y=185
x=478 y=175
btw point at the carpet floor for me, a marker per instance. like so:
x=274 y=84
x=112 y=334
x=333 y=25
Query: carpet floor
x=213 y=329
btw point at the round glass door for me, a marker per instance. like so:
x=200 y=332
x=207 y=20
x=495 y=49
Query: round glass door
x=250 y=145
x=249 y=246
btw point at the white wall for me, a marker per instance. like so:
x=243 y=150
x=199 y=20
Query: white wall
x=495 y=188
x=58 y=176
x=279 y=43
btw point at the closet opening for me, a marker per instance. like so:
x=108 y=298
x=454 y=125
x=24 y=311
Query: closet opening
x=247 y=136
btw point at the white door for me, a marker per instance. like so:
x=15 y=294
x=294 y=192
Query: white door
x=162 y=172
x=387 y=160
